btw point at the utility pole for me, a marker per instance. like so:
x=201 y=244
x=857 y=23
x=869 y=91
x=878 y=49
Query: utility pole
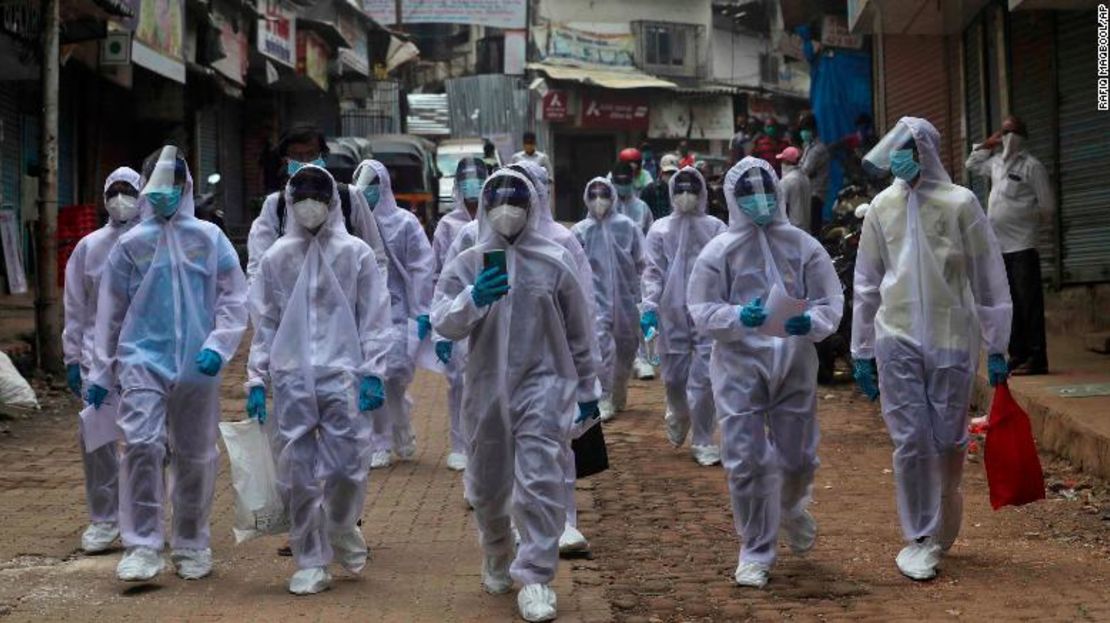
x=48 y=331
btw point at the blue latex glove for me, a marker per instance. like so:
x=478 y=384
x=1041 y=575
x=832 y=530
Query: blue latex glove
x=866 y=373
x=491 y=285
x=443 y=351
x=423 y=326
x=649 y=321
x=371 y=394
x=799 y=325
x=586 y=411
x=752 y=314
x=73 y=378
x=96 y=396
x=209 y=362
x=256 y=404
x=997 y=369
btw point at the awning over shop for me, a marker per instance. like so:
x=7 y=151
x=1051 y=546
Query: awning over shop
x=911 y=17
x=605 y=78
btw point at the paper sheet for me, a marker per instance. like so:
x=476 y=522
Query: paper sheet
x=98 y=426
x=780 y=307
x=423 y=352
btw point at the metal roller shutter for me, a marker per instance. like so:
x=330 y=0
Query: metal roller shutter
x=1034 y=100
x=11 y=152
x=1084 y=153
x=975 y=103
x=208 y=147
x=231 y=163
x=917 y=84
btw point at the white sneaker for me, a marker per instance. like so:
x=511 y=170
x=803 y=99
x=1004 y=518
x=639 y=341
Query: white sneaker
x=536 y=603
x=495 y=574
x=99 y=536
x=605 y=407
x=350 y=549
x=706 y=455
x=310 y=581
x=456 y=461
x=192 y=564
x=751 y=574
x=801 y=533
x=139 y=564
x=643 y=369
x=919 y=559
x=380 y=459
x=677 y=428
x=572 y=541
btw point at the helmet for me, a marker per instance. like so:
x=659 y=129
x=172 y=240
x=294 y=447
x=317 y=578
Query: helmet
x=630 y=154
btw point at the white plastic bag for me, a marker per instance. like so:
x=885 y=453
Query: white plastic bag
x=258 y=506
x=14 y=389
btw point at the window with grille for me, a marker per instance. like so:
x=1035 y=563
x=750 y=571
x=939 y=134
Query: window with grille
x=668 y=48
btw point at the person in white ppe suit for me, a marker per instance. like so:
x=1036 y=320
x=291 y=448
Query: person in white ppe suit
x=629 y=204
x=319 y=286
x=670 y=249
x=170 y=313
x=765 y=376
x=470 y=173
x=930 y=286
x=531 y=359
x=795 y=195
x=411 y=265
x=82 y=286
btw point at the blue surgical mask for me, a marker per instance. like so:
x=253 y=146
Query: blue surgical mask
x=372 y=194
x=470 y=188
x=164 y=201
x=760 y=207
x=807 y=136
x=297 y=165
x=902 y=164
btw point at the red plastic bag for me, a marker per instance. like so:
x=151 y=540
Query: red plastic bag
x=1010 y=454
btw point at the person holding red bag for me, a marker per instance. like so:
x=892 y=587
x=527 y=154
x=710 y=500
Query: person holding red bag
x=930 y=285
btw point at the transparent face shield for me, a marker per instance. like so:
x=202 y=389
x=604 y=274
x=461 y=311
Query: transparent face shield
x=755 y=195
x=369 y=184
x=686 y=189
x=877 y=161
x=310 y=184
x=469 y=176
x=164 y=170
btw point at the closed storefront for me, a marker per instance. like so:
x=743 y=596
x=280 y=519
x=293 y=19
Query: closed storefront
x=916 y=75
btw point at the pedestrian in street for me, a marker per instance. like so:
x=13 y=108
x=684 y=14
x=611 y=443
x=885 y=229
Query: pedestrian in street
x=530 y=154
x=686 y=158
x=623 y=176
x=740 y=142
x=170 y=313
x=650 y=163
x=410 y=268
x=765 y=377
x=930 y=285
x=82 y=286
x=640 y=178
x=320 y=285
x=815 y=164
x=657 y=195
x=299 y=146
x=489 y=155
x=1021 y=200
x=795 y=195
x=767 y=144
x=529 y=326
x=670 y=249
x=470 y=174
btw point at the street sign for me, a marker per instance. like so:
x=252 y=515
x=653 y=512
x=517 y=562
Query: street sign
x=555 y=105
x=115 y=48
x=612 y=111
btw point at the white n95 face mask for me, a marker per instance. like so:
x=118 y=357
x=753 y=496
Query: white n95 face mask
x=122 y=208
x=508 y=220
x=310 y=213
x=600 y=207
x=686 y=202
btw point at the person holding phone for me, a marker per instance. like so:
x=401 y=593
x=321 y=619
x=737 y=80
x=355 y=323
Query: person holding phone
x=516 y=298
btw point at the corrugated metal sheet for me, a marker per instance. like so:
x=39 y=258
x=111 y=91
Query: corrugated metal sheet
x=11 y=153
x=428 y=114
x=381 y=113
x=488 y=104
x=976 y=101
x=1084 y=153
x=916 y=78
x=609 y=79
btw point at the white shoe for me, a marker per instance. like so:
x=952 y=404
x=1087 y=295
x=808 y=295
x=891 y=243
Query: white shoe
x=919 y=559
x=99 y=536
x=536 y=603
x=192 y=564
x=495 y=574
x=801 y=533
x=605 y=408
x=139 y=564
x=706 y=455
x=380 y=459
x=456 y=461
x=310 y=581
x=350 y=549
x=572 y=541
x=751 y=574
x=643 y=369
x=676 y=428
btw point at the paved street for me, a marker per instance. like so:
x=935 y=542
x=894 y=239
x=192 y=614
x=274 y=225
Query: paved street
x=660 y=528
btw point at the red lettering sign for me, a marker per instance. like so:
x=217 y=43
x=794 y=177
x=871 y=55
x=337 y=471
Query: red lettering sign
x=555 y=105
x=612 y=111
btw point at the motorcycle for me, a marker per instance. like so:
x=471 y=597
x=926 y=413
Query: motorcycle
x=206 y=205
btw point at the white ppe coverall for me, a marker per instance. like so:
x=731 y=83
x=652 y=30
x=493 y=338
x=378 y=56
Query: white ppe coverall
x=670 y=249
x=531 y=360
x=171 y=288
x=82 y=286
x=765 y=386
x=322 y=325
x=634 y=208
x=410 y=291
x=929 y=284
x=794 y=199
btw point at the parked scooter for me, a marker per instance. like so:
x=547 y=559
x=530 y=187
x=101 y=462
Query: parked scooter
x=207 y=204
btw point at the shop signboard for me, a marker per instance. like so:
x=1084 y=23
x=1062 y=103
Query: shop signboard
x=277 y=32
x=490 y=13
x=614 y=112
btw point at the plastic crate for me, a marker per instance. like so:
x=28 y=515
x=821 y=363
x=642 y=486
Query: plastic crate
x=77 y=221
